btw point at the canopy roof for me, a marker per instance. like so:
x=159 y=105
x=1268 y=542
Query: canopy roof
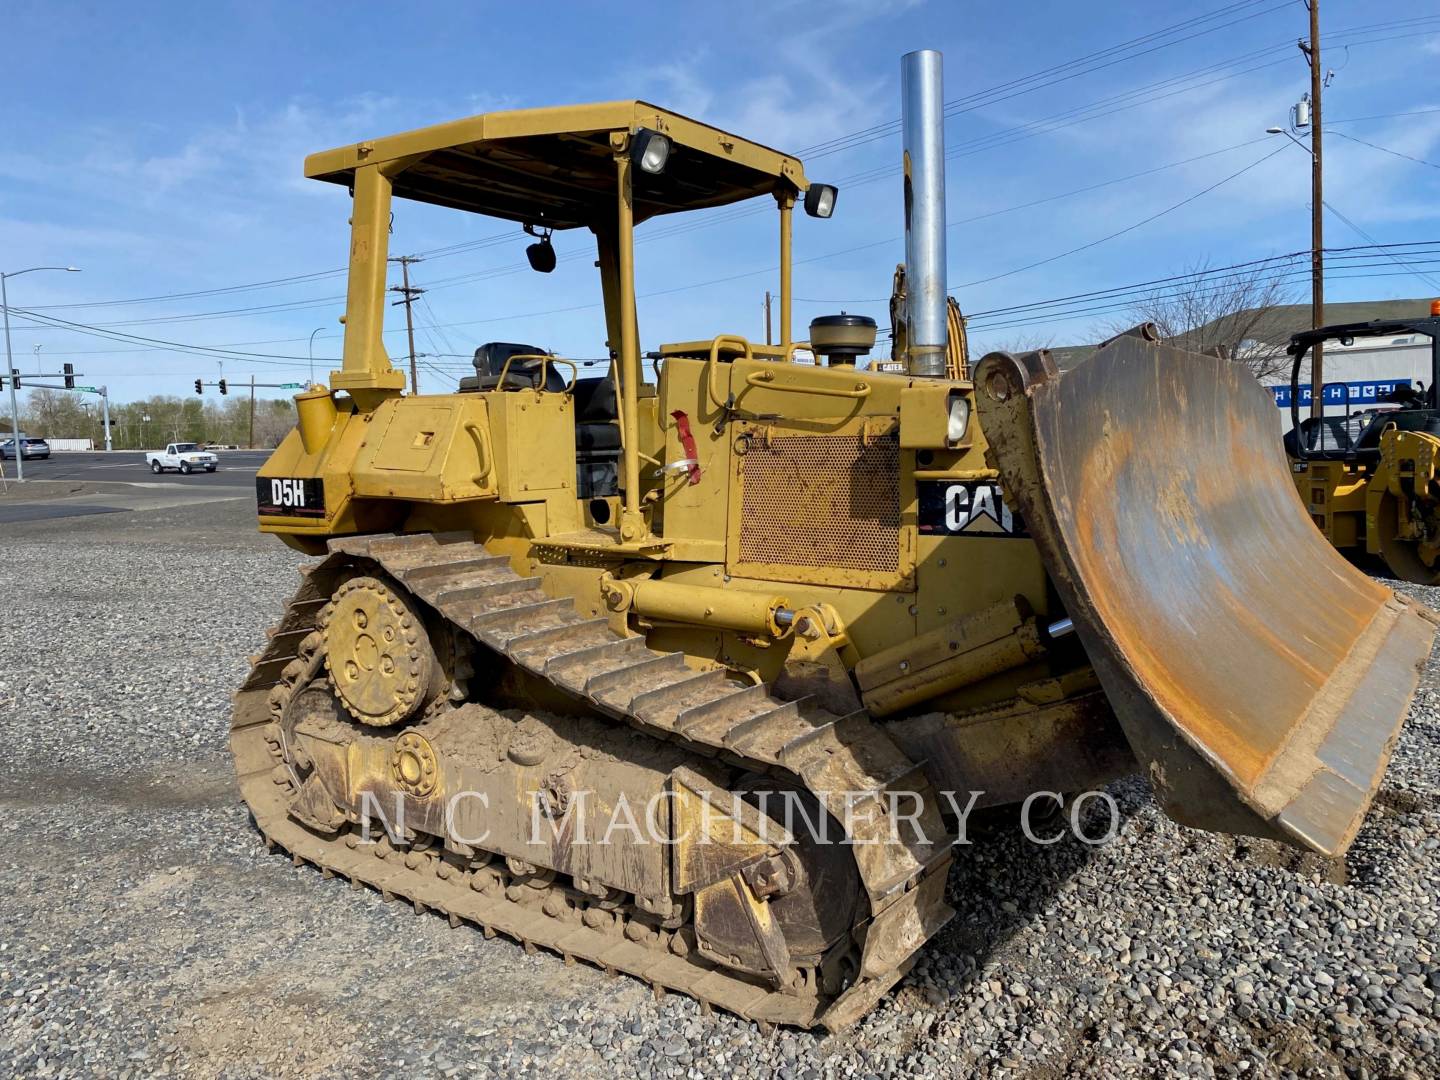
x=554 y=167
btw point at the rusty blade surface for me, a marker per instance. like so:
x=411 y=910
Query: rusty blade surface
x=1259 y=677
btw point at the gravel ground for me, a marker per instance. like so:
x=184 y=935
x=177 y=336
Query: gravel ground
x=143 y=930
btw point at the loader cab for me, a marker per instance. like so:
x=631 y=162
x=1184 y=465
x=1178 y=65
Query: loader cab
x=1354 y=437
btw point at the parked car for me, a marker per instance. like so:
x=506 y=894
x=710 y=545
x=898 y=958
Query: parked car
x=184 y=456
x=29 y=448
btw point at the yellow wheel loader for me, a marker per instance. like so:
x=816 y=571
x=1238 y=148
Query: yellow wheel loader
x=1370 y=477
x=691 y=679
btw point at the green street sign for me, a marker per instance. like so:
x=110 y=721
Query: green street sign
x=291 y=385
x=88 y=389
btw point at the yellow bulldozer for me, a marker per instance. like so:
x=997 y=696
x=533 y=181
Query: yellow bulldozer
x=1371 y=477
x=692 y=678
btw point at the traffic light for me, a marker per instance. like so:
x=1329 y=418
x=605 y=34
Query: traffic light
x=223 y=390
x=15 y=377
x=69 y=370
x=197 y=387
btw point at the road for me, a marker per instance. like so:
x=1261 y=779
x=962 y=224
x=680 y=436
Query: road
x=237 y=469
x=73 y=485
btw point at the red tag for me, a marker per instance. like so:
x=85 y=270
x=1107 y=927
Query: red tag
x=682 y=425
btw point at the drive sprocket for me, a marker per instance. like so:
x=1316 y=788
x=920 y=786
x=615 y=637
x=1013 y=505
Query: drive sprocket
x=377 y=653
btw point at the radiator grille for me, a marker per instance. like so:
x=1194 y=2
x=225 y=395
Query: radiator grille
x=822 y=501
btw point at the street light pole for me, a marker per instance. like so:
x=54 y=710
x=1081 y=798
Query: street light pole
x=317 y=330
x=14 y=397
x=10 y=364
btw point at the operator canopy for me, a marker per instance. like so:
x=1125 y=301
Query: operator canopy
x=555 y=167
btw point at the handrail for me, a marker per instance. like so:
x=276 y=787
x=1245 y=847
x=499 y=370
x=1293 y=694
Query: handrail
x=545 y=361
x=714 y=362
x=767 y=379
x=482 y=449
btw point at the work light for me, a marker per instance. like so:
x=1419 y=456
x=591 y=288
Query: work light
x=820 y=200
x=958 y=420
x=650 y=150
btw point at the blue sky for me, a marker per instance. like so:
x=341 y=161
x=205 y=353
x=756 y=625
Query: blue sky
x=159 y=146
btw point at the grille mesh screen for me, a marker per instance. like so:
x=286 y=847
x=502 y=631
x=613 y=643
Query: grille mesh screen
x=822 y=501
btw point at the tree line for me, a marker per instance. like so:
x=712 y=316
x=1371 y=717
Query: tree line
x=58 y=414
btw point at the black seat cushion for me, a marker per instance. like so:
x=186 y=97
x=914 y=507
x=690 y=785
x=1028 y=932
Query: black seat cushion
x=601 y=438
x=595 y=400
x=490 y=360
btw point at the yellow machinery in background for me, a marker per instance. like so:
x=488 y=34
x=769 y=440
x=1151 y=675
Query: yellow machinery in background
x=1369 y=477
x=773 y=578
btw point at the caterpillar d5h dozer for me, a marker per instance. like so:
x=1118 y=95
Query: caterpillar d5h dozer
x=682 y=679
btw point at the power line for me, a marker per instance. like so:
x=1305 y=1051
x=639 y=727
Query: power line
x=1016 y=87
x=1382 y=116
x=1356 y=228
x=115 y=335
x=1386 y=149
x=1144 y=95
x=1337 y=254
x=960 y=106
x=957 y=106
x=1108 y=237
x=1292 y=266
x=1300 y=275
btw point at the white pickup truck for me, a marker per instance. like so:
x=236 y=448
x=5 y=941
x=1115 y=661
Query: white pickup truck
x=185 y=456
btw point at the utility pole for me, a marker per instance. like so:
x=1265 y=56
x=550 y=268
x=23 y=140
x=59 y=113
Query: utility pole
x=1317 y=212
x=251 y=441
x=769 y=339
x=408 y=294
x=105 y=415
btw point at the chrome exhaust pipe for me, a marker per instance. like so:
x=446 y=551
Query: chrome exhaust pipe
x=923 y=121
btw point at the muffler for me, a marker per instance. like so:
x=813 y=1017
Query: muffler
x=922 y=89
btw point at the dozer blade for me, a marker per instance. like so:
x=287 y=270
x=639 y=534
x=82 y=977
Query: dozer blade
x=1260 y=678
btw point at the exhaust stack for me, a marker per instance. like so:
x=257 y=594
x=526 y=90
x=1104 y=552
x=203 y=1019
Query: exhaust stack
x=923 y=121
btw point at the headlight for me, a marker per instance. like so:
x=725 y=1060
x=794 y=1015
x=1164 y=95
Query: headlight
x=650 y=150
x=959 y=418
x=820 y=200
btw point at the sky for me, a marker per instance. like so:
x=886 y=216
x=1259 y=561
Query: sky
x=159 y=147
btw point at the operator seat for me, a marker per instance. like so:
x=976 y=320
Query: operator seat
x=490 y=360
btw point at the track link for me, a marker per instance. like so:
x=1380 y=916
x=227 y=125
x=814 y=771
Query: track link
x=848 y=762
